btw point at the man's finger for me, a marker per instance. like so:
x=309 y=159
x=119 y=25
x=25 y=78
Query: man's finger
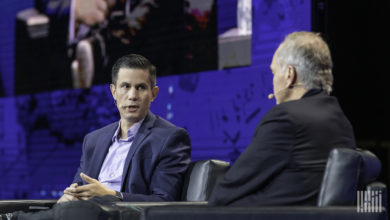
x=79 y=192
x=65 y=198
x=70 y=190
x=69 y=193
x=102 y=6
x=84 y=194
x=73 y=185
x=87 y=178
x=84 y=188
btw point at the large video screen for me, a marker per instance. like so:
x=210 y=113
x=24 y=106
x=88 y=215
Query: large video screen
x=215 y=83
x=64 y=44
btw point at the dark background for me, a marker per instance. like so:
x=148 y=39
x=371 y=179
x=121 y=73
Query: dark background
x=357 y=33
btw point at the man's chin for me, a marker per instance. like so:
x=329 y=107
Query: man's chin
x=133 y=118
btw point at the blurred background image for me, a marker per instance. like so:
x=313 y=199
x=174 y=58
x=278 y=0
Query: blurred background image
x=55 y=48
x=212 y=59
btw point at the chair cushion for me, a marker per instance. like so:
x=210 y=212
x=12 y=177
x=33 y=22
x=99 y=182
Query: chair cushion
x=347 y=170
x=201 y=178
x=370 y=168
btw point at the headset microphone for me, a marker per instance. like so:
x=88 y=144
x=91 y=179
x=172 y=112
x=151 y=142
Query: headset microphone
x=272 y=95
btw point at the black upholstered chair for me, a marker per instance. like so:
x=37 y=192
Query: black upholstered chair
x=347 y=172
x=201 y=178
x=198 y=184
x=7 y=206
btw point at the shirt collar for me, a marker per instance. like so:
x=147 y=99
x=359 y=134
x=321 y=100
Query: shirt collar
x=133 y=130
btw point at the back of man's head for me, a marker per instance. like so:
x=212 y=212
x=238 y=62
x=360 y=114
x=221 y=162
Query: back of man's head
x=134 y=61
x=309 y=54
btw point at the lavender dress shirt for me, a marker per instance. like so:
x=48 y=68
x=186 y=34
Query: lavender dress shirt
x=112 y=168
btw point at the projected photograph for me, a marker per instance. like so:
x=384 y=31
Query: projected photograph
x=57 y=48
x=212 y=59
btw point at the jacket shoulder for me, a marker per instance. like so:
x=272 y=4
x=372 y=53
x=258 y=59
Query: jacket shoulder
x=104 y=130
x=166 y=126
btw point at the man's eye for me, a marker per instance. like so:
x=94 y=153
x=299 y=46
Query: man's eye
x=141 y=87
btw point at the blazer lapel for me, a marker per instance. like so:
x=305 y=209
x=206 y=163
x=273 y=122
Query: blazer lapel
x=103 y=144
x=143 y=132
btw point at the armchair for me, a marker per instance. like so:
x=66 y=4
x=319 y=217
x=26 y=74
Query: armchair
x=347 y=172
x=198 y=184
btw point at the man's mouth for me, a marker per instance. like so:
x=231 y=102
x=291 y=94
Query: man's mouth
x=131 y=107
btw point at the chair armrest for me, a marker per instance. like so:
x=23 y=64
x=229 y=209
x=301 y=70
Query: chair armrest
x=249 y=213
x=7 y=206
x=151 y=204
x=134 y=210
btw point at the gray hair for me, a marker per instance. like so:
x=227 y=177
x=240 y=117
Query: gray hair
x=308 y=53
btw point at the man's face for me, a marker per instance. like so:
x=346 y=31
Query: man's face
x=133 y=94
x=278 y=80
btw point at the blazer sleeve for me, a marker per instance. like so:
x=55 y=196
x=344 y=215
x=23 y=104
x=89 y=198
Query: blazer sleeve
x=265 y=157
x=77 y=179
x=167 y=179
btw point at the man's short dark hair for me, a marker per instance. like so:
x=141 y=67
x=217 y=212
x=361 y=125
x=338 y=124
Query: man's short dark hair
x=134 y=61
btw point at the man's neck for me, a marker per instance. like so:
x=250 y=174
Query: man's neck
x=125 y=126
x=295 y=94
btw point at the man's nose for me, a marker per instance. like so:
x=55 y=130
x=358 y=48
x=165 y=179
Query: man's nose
x=132 y=93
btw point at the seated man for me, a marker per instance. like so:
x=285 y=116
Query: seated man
x=285 y=162
x=140 y=158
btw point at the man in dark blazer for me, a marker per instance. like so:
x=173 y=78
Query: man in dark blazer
x=286 y=159
x=140 y=158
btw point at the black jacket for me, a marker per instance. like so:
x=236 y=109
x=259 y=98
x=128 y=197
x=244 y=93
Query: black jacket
x=285 y=162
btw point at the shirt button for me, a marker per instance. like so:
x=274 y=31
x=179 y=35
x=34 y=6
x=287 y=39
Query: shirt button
x=111 y=175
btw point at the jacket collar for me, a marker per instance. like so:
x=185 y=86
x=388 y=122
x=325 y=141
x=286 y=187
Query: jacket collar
x=104 y=142
x=143 y=132
x=312 y=92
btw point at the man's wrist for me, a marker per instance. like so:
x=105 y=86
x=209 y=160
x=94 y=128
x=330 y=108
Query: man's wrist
x=118 y=195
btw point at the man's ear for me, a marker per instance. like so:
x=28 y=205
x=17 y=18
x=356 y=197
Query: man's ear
x=291 y=76
x=113 y=90
x=154 y=92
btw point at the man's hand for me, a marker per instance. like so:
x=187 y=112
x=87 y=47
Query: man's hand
x=68 y=197
x=91 y=12
x=93 y=188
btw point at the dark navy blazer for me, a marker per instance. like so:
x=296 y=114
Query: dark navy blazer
x=155 y=165
x=285 y=162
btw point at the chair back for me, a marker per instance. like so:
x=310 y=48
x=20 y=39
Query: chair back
x=201 y=178
x=347 y=171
